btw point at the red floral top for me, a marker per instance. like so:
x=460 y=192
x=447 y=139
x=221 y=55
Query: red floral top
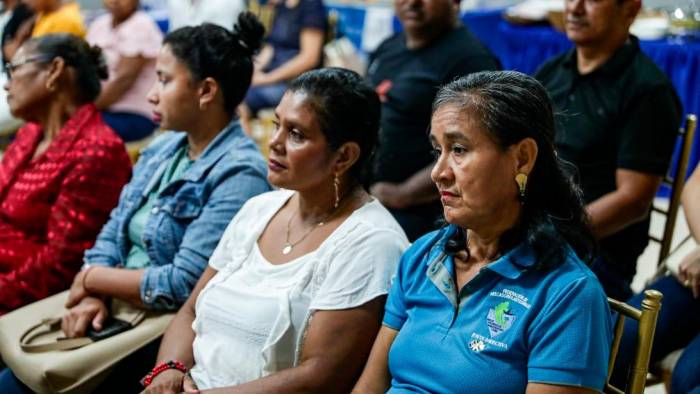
x=53 y=207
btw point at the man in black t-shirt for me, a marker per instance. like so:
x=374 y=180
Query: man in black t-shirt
x=407 y=69
x=620 y=117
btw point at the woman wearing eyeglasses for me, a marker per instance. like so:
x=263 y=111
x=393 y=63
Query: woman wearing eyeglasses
x=62 y=175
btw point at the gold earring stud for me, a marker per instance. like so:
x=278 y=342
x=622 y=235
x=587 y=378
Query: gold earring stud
x=521 y=180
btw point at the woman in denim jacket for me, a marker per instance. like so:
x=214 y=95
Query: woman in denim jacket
x=185 y=189
x=186 y=186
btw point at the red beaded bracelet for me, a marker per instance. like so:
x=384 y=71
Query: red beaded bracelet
x=158 y=369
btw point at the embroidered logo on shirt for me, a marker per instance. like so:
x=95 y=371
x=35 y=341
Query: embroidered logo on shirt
x=477 y=345
x=476 y=338
x=512 y=296
x=499 y=318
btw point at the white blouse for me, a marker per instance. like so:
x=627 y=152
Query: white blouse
x=252 y=316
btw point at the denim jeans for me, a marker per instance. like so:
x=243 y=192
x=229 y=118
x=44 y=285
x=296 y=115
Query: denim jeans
x=9 y=384
x=686 y=374
x=677 y=327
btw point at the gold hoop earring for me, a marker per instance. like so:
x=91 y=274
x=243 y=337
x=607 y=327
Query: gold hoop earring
x=336 y=186
x=50 y=86
x=521 y=180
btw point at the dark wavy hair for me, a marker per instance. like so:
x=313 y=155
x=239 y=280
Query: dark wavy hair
x=210 y=50
x=513 y=106
x=86 y=60
x=347 y=108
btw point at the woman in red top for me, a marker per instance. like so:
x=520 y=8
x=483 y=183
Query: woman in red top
x=63 y=173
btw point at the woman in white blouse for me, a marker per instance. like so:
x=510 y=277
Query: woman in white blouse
x=293 y=295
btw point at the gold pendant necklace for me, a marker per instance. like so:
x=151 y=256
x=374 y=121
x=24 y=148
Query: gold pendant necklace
x=288 y=246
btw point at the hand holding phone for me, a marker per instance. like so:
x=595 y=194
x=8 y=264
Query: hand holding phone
x=112 y=326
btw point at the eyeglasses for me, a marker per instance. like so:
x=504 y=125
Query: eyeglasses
x=10 y=67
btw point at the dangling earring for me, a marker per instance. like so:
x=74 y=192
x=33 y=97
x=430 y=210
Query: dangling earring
x=336 y=186
x=521 y=180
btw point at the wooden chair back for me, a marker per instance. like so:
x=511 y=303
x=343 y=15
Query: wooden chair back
x=675 y=184
x=636 y=379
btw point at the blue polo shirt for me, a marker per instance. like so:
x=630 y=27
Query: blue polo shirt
x=509 y=325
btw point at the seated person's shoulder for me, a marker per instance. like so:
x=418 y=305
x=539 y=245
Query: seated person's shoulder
x=375 y=215
x=425 y=249
x=163 y=141
x=314 y=14
x=141 y=21
x=101 y=135
x=260 y=206
x=240 y=156
x=647 y=76
x=242 y=149
x=267 y=201
x=461 y=52
x=101 y=22
x=573 y=275
x=550 y=67
x=463 y=41
x=70 y=14
x=391 y=44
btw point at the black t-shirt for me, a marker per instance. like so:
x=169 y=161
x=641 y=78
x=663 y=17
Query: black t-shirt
x=20 y=14
x=623 y=115
x=407 y=81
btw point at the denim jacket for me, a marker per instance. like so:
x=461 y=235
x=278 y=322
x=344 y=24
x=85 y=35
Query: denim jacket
x=189 y=215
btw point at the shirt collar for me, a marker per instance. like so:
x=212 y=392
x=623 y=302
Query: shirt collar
x=217 y=148
x=515 y=262
x=511 y=265
x=74 y=127
x=612 y=67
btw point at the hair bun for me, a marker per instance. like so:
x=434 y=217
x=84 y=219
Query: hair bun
x=249 y=32
x=98 y=60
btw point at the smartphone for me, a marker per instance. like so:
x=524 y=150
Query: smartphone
x=110 y=327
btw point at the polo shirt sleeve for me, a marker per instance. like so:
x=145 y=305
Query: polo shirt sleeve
x=395 y=309
x=569 y=340
x=650 y=130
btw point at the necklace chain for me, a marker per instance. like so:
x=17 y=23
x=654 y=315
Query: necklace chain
x=288 y=246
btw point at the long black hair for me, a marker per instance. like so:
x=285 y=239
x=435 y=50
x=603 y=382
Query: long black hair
x=210 y=50
x=513 y=106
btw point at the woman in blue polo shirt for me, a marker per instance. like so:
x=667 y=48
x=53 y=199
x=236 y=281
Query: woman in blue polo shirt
x=500 y=300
